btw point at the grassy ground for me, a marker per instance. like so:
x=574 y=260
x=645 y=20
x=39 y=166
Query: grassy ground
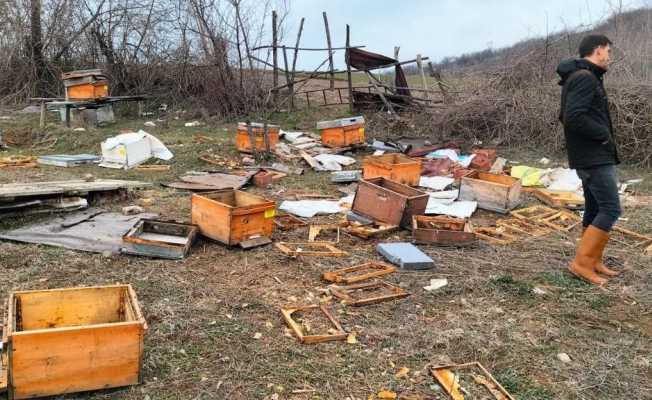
x=204 y=312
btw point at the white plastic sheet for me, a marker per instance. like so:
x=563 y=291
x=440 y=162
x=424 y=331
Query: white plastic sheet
x=131 y=149
x=459 y=209
x=310 y=208
x=435 y=182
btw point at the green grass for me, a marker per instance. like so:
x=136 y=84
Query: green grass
x=521 y=387
x=507 y=284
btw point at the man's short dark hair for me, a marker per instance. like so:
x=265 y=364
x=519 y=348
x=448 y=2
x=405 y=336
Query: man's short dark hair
x=592 y=42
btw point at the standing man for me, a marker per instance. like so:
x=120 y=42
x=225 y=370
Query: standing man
x=591 y=151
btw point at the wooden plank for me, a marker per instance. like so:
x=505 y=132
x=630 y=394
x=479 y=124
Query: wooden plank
x=314 y=164
x=348 y=67
x=330 y=52
x=275 y=54
x=314 y=249
x=379 y=292
x=359 y=273
x=74 y=186
x=57 y=361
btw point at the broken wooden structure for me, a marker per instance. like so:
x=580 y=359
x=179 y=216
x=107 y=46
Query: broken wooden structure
x=72 y=340
x=376 y=95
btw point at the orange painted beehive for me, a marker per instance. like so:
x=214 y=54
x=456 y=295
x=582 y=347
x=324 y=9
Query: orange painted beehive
x=85 y=85
x=342 y=132
x=232 y=216
x=243 y=142
x=395 y=167
x=73 y=340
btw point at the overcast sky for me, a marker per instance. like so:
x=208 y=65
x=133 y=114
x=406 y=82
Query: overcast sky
x=435 y=28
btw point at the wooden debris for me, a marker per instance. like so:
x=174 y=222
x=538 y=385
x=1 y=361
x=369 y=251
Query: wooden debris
x=639 y=240
x=338 y=331
x=287 y=222
x=314 y=164
x=562 y=221
x=534 y=212
x=377 y=292
x=523 y=226
x=359 y=273
x=153 y=168
x=449 y=378
x=312 y=249
x=315 y=230
x=495 y=235
x=569 y=200
x=73 y=187
x=18 y=162
x=370 y=231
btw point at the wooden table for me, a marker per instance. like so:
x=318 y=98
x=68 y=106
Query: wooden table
x=87 y=104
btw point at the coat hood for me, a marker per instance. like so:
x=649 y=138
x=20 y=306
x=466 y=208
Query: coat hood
x=567 y=67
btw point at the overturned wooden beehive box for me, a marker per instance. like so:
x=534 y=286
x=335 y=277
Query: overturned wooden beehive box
x=73 y=340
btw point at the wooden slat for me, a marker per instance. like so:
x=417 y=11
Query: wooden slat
x=16 y=190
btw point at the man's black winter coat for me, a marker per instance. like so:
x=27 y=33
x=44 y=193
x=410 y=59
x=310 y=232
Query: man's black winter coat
x=585 y=115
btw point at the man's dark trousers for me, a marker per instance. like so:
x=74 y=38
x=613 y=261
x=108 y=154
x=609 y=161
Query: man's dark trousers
x=601 y=201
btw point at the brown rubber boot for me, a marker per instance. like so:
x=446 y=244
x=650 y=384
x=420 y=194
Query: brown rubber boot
x=599 y=266
x=587 y=255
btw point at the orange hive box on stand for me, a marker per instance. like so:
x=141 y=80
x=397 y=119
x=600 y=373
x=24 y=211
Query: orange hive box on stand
x=243 y=143
x=395 y=167
x=90 y=84
x=73 y=340
x=342 y=132
x=232 y=216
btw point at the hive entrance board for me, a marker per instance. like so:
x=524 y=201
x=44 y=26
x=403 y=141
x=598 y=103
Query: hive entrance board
x=288 y=222
x=367 y=293
x=472 y=379
x=523 y=226
x=358 y=273
x=314 y=249
x=500 y=235
x=302 y=328
x=562 y=221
